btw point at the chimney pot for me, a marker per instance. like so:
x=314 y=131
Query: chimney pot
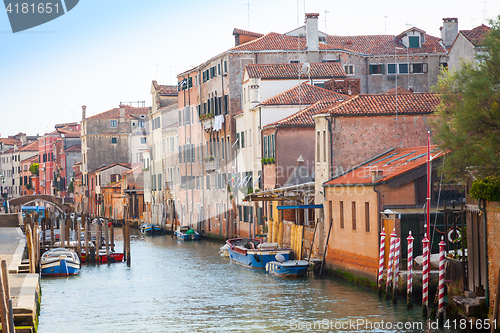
x=377 y=175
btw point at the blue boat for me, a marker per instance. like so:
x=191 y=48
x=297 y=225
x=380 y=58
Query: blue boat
x=150 y=229
x=187 y=233
x=288 y=268
x=254 y=253
x=59 y=262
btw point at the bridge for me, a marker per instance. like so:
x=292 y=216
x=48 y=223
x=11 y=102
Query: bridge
x=57 y=202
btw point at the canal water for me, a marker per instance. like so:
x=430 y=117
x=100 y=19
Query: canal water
x=176 y=286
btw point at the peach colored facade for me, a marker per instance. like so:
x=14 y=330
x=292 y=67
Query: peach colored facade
x=354 y=214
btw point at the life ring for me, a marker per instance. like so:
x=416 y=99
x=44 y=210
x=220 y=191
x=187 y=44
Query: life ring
x=450 y=233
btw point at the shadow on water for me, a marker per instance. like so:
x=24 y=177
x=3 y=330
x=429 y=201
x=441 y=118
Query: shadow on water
x=176 y=286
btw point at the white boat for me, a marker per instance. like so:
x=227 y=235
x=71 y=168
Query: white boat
x=59 y=262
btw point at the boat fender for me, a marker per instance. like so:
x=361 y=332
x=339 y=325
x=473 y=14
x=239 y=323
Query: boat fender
x=280 y=258
x=256 y=257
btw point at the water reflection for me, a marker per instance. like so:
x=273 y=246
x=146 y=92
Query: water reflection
x=176 y=286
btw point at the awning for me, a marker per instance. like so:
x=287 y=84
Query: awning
x=300 y=207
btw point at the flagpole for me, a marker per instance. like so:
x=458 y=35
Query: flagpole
x=428 y=188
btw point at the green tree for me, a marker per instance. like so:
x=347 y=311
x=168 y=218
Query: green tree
x=34 y=169
x=469 y=113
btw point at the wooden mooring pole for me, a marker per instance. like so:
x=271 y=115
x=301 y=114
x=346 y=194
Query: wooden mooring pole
x=106 y=236
x=4 y=312
x=86 y=222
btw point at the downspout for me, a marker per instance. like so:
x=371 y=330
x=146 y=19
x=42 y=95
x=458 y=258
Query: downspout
x=330 y=176
x=485 y=249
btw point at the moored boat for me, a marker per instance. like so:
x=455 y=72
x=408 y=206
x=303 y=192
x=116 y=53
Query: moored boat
x=254 y=253
x=103 y=258
x=59 y=262
x=186 y=232
x=150 y=229
x=224 y=251
x=288 y=268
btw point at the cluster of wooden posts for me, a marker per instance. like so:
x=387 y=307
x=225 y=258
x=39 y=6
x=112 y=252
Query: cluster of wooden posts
x=6 y=312
x=393 y=273
x=103 y=230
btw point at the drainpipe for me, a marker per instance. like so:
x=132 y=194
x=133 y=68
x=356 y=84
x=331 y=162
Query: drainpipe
x=379 y=224
x=485 y=249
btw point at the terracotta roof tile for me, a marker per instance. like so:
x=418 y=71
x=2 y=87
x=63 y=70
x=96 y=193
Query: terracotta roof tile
x=30 y=146
x=383 y=44
x=304 y=94
x=115 y=113
x=32 y=159
x=383 y=104
x=10 y=141
x=74 y=149
x=273 y=41
x=400 y=91
x=393 y=163
x=291 y=71
x=476 y=35
x=169 y=90
x=237 y=31
x=304 y=118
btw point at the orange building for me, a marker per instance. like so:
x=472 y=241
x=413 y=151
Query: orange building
x=376 y=194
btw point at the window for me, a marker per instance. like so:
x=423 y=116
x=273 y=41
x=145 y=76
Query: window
x=353 y=215
x=140 y=123
x=414 y=41
x=113 y=123
x=341 y=212
x=318 y=144
x=419 y=68
x=391 y=69
x=367 y=216
x=349 y=69
x=294 y=61
x=324 y=146
x=143 y=140
x=376 y=69
x=242 y=136
x=225 y=66
x=114 y=140
x=403 y=68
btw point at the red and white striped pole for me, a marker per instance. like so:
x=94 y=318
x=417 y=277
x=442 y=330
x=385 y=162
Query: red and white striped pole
x=389 y=265
x=396 y=269
x=442 y=246
x=409 y=273
x=425 y=276
x=381 y=261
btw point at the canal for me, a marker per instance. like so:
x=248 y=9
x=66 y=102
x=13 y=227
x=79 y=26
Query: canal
x=176 y=286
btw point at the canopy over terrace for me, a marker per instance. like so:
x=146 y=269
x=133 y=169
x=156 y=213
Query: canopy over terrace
x=297 y=197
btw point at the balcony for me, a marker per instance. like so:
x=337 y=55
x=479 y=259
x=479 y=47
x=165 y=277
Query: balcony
x=208 y=123
x=211 y=165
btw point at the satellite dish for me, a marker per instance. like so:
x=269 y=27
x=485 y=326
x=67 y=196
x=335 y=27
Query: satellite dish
x=306 y=68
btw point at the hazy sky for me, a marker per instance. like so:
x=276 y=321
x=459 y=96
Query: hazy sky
x=103 y=52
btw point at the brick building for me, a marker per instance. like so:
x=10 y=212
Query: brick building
x=372 y=196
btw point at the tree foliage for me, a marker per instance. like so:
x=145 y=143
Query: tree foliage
x=469 y=113
x=34 y=169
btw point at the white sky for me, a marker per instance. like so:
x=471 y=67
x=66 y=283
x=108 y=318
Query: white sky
x=106 y=51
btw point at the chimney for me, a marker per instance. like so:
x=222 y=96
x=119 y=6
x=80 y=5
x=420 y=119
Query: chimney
x=449 y=30
x=377 y=175
x=122 y=111
x=312 y=37
x=84 y=109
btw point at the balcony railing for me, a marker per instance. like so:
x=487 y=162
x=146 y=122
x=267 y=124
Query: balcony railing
x=211 y=165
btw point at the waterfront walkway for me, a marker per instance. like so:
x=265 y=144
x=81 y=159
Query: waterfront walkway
x=24 y=287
